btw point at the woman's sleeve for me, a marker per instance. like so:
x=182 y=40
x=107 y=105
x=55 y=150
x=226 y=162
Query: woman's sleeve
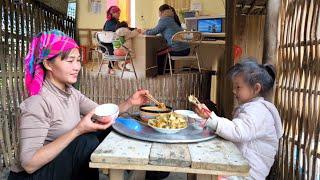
x=86 y=104
x=158 y=29
x=33 y=126
x=109 y=26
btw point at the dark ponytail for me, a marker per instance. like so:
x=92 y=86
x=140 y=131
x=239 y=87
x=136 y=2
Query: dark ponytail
x=175 y=16
x=271 y=71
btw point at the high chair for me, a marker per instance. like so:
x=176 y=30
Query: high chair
x=193 y=38
x=108 y=37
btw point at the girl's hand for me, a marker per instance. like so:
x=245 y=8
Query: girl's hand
x=143 y=31
x=200 y=110
x=86 y=125
x=139 y=31
x=138 y=98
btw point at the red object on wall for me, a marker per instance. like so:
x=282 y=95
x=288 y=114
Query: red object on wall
x=237 y=53
x=83 y=51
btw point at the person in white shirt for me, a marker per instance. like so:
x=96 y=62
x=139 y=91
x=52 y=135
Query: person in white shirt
x=256 y=125
x=122 y=44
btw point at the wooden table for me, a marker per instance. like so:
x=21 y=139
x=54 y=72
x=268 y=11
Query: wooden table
x=205 y=159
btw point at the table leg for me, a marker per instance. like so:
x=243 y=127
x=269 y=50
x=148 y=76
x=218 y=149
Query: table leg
x=116 y=174
x=206 y=177
x=137 y=175
x=191 y=176
x=105 y=171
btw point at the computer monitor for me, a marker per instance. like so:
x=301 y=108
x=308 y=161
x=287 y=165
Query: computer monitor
x=210 y=25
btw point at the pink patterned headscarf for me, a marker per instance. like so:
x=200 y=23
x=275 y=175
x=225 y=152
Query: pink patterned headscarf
x=111 y=10
x=44 y=45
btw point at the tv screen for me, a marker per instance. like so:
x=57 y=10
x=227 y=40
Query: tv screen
x=212 y=25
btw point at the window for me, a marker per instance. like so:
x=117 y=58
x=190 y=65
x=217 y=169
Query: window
x=72 y=6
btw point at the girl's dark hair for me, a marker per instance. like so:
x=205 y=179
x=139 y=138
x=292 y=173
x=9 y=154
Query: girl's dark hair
x=122 y=24
x=175 y=16
x=253 y=73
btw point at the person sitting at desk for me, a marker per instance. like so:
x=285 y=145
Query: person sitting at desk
x=168 y=25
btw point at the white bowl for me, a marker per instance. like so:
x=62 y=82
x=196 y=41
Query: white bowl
x=106 y=111
x=184 y=113
x=195 y=120
x=166 y=130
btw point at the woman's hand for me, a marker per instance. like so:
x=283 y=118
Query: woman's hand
x=86 y=125
x=138 y=98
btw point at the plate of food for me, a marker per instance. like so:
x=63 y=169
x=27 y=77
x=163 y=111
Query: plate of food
x=168 y=123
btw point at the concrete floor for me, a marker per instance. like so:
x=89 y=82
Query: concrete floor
x=173 y=176
x=94 y=67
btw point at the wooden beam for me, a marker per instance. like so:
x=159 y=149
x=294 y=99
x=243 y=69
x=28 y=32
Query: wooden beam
x=225 y=97
x=270 y=32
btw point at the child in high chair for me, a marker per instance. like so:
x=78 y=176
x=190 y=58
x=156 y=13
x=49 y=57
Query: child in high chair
x=256 y=125
x=123 y=41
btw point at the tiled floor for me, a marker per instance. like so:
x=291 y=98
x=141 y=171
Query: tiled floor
x=94 y=67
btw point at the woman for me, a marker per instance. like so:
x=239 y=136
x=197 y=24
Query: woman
x=113 y=15
x=168 y=25
x=56 y=138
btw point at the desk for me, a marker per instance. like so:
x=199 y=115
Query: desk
x=145 y=48
x=205 y=159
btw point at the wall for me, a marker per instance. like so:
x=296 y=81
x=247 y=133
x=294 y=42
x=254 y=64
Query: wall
x=149 y=10
x=211 y=7
x=146 y=8
x=89 y=20
x=249 y=32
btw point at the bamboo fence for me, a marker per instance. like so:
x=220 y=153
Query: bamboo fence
x=20 y=21
x=298 y=89
x=173 y=91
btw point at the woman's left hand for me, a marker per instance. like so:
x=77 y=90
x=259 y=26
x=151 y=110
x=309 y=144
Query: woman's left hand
x=138 y=98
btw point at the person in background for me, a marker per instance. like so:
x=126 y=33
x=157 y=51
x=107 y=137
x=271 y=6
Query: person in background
x=256 y=125
x=123 y=42
x=55 y=128
x=168 y=25
x=113 y=15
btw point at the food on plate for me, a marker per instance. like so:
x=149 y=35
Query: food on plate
x=169 y=121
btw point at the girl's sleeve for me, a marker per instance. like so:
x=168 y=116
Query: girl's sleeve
x=33 y=126
x=132 y=34
x=244 y=127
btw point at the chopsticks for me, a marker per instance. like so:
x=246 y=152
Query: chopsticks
x=161 y=105
x=197 y=102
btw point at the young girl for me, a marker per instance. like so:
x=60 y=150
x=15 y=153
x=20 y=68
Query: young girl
x=256 y=126
x=55 y=127
x=123 y=41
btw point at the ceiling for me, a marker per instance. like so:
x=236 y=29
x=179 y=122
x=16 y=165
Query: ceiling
x=251 y=7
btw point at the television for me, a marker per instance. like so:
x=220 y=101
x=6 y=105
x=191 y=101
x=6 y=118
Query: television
x=210 y=25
